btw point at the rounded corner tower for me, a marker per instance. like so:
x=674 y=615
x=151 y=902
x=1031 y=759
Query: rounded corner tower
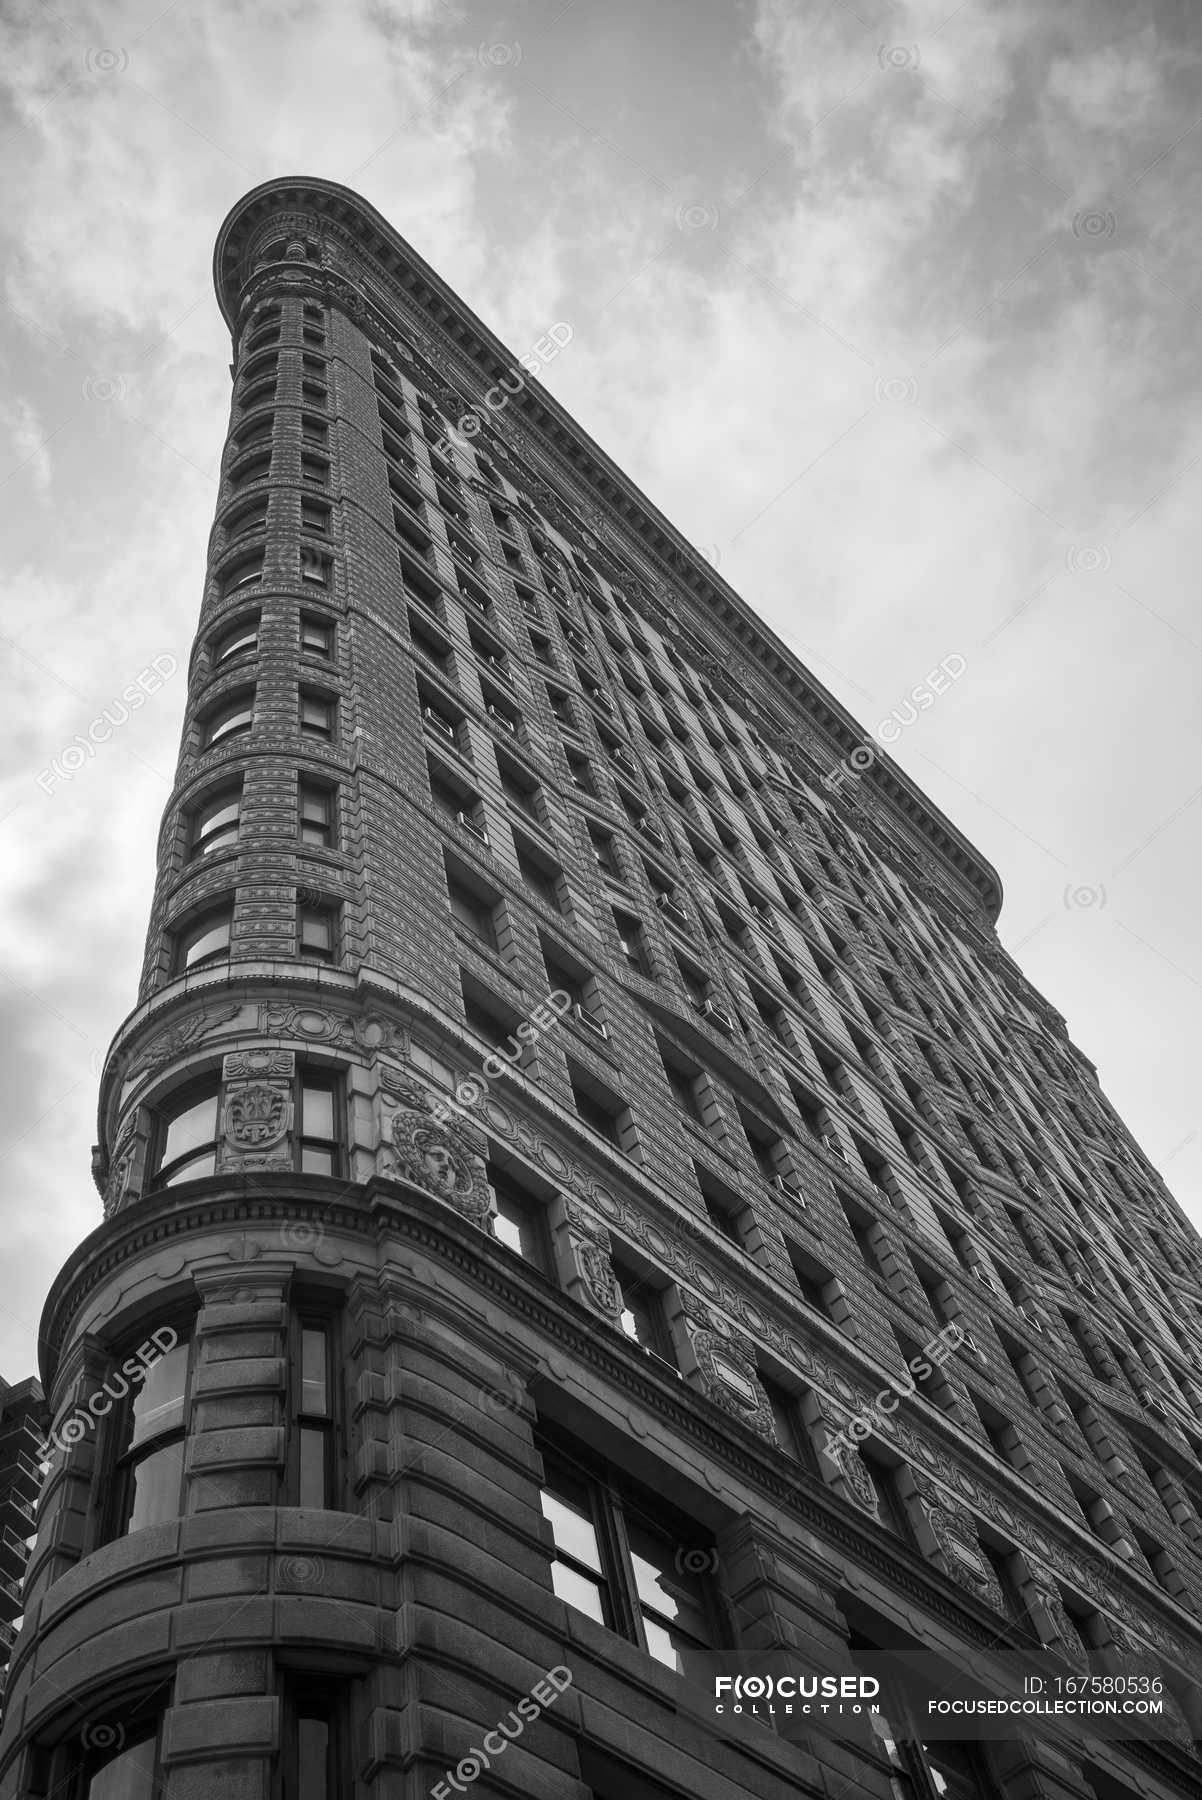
x=572 y=1089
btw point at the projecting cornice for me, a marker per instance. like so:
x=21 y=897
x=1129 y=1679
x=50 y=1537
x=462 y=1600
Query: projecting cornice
x=718 y=609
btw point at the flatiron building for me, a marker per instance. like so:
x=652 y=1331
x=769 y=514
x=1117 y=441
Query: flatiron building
x=598 y=1236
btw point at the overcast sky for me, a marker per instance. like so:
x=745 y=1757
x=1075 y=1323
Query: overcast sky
x=892 y=309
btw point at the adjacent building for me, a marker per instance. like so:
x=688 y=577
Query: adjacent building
x=596 y=1229
x=22 y=1435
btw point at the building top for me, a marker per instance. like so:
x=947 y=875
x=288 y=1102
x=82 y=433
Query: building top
x=563 y=450
x=20 y=1393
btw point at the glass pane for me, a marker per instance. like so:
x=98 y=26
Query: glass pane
x=572 y=1525
x=224 y=814
x=313 y=1759
x=954 y=1770
x=579 y=1591
x=661 y=1585
x=317 y=931
x=516 y=1225
x=159 y=1402
x=314 y=1396
x=313 y=1467
x=203 y=1163
x=209 y=940
x=157 y=1481
x=129 y=1776
x=241 y=640
x=678 y=1651
x=317 y=1112
x=190 y=1129
x=316 y=1159
x=236 y=720
x=639 y=1320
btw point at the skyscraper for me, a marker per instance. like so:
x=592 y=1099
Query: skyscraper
x=598 y=1235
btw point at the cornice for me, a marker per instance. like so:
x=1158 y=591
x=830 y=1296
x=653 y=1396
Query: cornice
x=561 y=440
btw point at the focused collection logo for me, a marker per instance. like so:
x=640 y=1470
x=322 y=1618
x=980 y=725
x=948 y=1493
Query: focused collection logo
x=795 y=1693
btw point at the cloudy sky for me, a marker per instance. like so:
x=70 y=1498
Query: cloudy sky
x=892 y=308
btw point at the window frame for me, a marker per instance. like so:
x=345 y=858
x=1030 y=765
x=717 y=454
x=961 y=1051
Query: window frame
x=190 y=1095
x=122 y=1457
x=324 y=1421
x=191 y=925
x=230 y=716
x=615 y=1503
x=308 y=788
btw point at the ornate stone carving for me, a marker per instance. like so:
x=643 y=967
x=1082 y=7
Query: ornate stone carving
x=119 y=1185
x=959 y=1547
x=440 y=1155
x=1056 y=1630
x=256 y=1118
x=244 y=1065
x=180 y=1037
x=591 y=1275
x=724 y=1360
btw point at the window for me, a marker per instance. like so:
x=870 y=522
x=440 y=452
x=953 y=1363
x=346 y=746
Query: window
x=578 y=769
x=438 y=718
x=313 y=1756
x=315 y=516
x=253 y=436
x=456 y=800
x=613 y=1559
x=431 y=643
x=260 y=393
x=519 y=788
x=315 y=569
x=816 y=1285
x=256 y=467
x=791 y=1435
x=127 y=1767
x=242 y=573
x=313 y=1364
x=149 y=1437
x=214 y=823
x=317 y=813
x=186 y=1142
x=540 y=875
x=600 y=1108
x=768 y=1148
x=945 y=1770
x=314 y=432
x=724 y=1207
x=642 y=1317
x=317 y=930
x=315 y=470
x=566 y=975
x=237 y=640
x=316 y=635
x=472 y=905
x=605 y=854
x=251 y=517
x=205 y=938
x=561 y=707
x=890 y=1505
x=318 y=713
x=632 y=942
x=686 y=1082
x=231 y=717
x=519 y=1220
x=318 y=1114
